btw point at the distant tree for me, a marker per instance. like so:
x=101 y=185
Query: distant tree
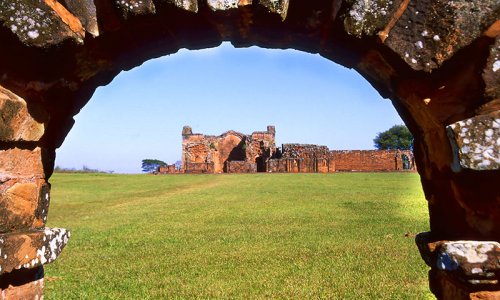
x=151 y=165
x=398 y=137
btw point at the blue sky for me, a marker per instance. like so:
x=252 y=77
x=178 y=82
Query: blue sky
x=141 y=113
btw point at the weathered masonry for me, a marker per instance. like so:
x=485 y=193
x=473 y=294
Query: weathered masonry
x=437 y=61
x=231 y=152
x=373 y=160
x=235 y=152
x=302 y=158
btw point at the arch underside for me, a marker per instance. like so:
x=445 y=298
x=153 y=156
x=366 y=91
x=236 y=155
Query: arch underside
x=438 y=62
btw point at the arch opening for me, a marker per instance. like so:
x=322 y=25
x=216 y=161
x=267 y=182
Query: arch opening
x=444 y=87
x=309 y=99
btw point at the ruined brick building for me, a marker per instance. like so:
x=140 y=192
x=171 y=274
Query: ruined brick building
x=235 y=152
x=230 y=152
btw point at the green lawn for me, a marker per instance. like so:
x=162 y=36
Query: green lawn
x=300 y=236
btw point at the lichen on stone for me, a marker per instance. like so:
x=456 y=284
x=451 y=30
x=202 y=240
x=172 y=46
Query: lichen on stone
x=136 y=7
x=32 y=248
x=35 y=23
x=366 y=17
x=436 y=35
x=476 y=261
x=477 y=142
x=25 y=19
x=189 y=5
x=496 y=66
x=276 y=6
x=222 y=4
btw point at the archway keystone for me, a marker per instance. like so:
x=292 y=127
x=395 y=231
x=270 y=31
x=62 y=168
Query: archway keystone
x=438 y=62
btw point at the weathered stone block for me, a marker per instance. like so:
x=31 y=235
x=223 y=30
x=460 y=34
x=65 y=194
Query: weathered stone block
x=22 y=163
x=461 y=269
x=86 y=12
x=491 y=73
x=22 y=284
x=24 y=204
x=477 y=262
x=476 y=142
x=31 y=249
x=222 y=4
x=276 y=6
x=227 y=4
x=18 y=122
x=136 y=7
x=189 y=5
x=40 y=23
x=430 y=32
x=446 y=287
x=368 y=17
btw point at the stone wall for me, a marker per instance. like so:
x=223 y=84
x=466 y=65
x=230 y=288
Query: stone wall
x=305 y=151
x=169 y=169
x=199 y=168
x=372 y=160
x=307 y=158
x=300 y=165
x=234 y=152
x=240 y=167
x=325 y=165
x=284 y=165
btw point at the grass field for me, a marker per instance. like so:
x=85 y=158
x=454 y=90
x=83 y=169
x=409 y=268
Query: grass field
x=300 y=236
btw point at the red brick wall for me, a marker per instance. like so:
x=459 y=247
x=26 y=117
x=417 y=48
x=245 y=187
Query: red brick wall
x=301 y=165
x=199 y=168
x=324 y=165
x=277 y=165
x=169 y=169
x=240 y=167
x=369 y=160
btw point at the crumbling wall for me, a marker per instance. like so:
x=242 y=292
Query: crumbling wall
x=169 y=169
x=199 y=168
x=307 y=158
x=276 y=165
x=229 y=146
x=199 y=148
x=261 y=147
x=240 y=167
x=284 y=165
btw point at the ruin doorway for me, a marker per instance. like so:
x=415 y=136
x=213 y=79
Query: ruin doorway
x=406 y=162
x=261 y=164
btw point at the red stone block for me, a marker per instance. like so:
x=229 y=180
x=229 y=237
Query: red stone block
x=30 y=249
x=22 y=284
x=24 y=204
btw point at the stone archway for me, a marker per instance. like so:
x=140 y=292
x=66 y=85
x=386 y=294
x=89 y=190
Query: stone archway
x=437 y=61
